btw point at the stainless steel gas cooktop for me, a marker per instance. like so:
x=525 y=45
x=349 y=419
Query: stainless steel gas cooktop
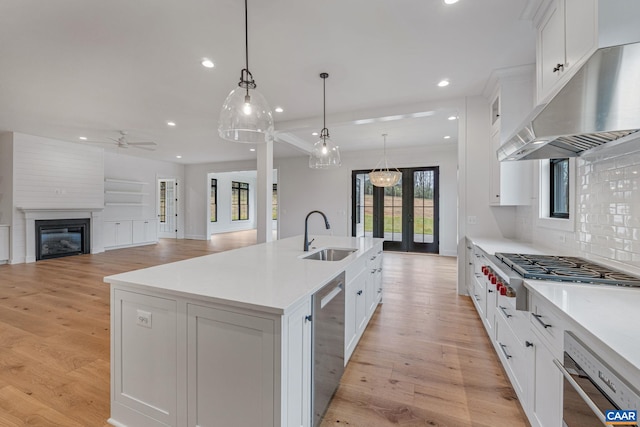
x=567 y=269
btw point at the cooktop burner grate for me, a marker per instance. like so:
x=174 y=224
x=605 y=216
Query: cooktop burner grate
x=568 y=269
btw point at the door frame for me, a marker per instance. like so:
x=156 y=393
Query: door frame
x=166 y=235
x=407 y=244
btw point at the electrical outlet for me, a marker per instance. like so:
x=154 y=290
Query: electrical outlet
x=562 y=238
x=472 y=219
x=143 y=318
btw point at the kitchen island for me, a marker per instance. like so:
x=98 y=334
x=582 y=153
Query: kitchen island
x=225 y=339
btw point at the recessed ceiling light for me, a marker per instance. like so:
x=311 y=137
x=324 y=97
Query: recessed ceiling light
x=315 y=134
x=207 y=63
x=252 y=149
x=178 y=156
x=450 y=1
x=171 y=123
x=452 y=117
x=447 y=137
x=84 y=138
x=443 y=83
x=278 y=110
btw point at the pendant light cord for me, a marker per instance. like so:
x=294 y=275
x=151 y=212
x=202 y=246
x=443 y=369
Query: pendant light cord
x=246 y=35
x=324 y=133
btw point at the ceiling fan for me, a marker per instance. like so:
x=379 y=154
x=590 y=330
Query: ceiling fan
x=123 y=142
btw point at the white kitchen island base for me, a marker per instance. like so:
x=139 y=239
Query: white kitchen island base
x=203 y=343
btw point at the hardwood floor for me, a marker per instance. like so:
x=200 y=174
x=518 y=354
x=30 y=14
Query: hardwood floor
x=424 y=360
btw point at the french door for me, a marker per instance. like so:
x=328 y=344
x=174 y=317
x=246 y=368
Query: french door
x=405 y=215
x=167 y=208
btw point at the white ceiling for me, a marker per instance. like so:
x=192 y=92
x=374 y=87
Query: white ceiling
x=71 y=68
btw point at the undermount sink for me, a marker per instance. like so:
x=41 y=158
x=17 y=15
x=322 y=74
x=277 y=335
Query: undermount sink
x=330 y=254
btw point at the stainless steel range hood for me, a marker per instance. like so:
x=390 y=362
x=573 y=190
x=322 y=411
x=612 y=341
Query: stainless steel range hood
x=599 y=105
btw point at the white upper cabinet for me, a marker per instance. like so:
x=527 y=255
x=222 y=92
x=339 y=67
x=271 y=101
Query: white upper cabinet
x=569 y=31
x=511 y=101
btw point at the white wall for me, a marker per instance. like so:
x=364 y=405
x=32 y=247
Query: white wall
x=224 y=223
x=52 y=174
x=6 y=178
x=118 y=165
x=607 y=212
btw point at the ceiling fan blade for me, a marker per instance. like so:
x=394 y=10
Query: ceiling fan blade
x=99 y=142
x=142 y=147
x=143 y=143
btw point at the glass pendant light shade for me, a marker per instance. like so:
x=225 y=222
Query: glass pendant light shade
x=384 y=177
x=245 y=115
x=245 y=118
x=325 y=154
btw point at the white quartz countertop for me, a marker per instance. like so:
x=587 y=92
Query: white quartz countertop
x=269 y=276
x=609 y=313
x=491 y=246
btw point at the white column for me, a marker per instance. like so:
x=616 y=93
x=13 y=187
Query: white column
x=264 y=191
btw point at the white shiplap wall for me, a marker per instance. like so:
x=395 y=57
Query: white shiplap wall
x=53 y=174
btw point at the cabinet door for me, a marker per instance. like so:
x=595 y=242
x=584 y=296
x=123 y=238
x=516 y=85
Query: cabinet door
x=138 y=231
x=145 y=366
x=551 y=49
x=580 y=30
x=371 y=292
x=4 y=243
x=545 y=387
x=230 y=368
x=151 y=230
x=109 y=233
x=124 y=230
x=494 y=164
x=298 y=367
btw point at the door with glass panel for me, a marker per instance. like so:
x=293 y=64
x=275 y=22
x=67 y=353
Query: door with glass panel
x=167 y=208
x=405 y=215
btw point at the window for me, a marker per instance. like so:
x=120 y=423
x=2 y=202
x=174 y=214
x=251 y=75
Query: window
x=239 y=201
x=214 y=200
x=163 y=201
x=559 y=188
x=274 y=202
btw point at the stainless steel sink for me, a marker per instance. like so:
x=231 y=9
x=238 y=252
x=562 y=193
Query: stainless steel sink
x=330 y=254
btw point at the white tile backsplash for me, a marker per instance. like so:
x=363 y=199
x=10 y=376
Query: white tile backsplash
x=607 y=212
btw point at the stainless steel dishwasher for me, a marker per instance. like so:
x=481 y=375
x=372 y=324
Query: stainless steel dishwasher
x=328 y=345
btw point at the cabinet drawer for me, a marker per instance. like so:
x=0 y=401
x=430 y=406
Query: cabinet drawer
x=547 y=323
x=515 y=319
x=512 y=354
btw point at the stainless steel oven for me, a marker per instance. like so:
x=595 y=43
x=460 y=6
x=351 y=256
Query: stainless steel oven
x=591 y=387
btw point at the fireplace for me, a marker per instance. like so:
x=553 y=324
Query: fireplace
x=62 y=237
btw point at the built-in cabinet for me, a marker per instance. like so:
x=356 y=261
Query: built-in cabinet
x=123 y=233
x=363 y=294
x=510 y=102
x=179 y=361
x=526 y=342
x=4 y=243
x=569 y=31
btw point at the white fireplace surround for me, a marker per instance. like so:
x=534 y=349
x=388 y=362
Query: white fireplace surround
x=33 y=214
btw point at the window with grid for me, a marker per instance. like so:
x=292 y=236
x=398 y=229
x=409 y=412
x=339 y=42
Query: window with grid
x=214 y=200
x=559 y=188
x=163 y=201
x=239 y=201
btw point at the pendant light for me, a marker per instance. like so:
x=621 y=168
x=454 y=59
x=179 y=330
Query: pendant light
x=245 y=115
x=325 y=154
x=384 y=177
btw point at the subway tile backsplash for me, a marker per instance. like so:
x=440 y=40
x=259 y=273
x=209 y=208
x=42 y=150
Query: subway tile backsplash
x=607 y=205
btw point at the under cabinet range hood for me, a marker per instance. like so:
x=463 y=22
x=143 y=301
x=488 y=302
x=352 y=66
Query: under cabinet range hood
x=598 y=107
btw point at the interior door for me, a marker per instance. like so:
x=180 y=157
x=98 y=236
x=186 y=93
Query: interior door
x=167 y=208
x=405 y=215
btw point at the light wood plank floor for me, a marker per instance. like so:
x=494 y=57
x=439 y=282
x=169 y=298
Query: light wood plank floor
x=424 y=360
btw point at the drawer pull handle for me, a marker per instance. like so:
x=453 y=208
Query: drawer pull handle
x=359 y=292
x=476 y=297
x=528 y=343
x=372 y=258
x=490 y=291
x=538 y=318
x=503 y=309
x=559 y=67
x=503 y=347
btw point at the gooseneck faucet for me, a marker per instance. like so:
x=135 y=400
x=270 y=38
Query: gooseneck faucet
x=306 y=234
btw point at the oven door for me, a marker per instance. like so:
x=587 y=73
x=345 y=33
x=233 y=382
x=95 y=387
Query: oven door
x=583 y=403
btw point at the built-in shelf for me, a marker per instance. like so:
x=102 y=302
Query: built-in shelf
x=124 y=204
x=124 y=181
x=133 y=193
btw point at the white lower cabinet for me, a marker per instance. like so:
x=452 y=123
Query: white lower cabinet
x=4 y=243
x=225 y=347
x=545 y=387
x=296 y=366
x=124 y=233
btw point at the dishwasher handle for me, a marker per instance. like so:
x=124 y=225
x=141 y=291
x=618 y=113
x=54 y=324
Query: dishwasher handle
x=331 y=295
